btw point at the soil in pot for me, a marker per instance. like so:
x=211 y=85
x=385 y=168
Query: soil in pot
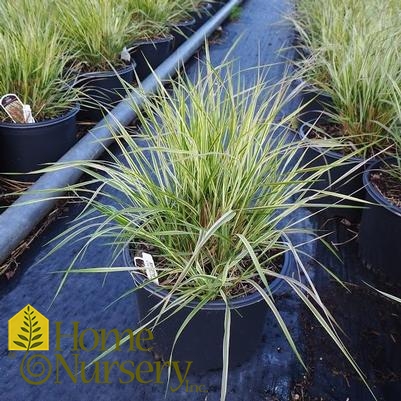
x=202 y=340
x=380 y=230
x=181 y=31
x=388 y=185
x=149 y=54
x=27 y=147
x=101 y=90
x=352 y=185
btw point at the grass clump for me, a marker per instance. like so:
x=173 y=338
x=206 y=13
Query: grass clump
x=153 y=17
x=96 y=32
x=34 y=60
x=351 y=51
x=212 y=186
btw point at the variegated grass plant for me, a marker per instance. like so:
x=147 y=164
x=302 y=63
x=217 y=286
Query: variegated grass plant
x=360 y=80
x=211 y=181
x=353 y=52
x=96 y=32
x=337 y=21
x=184 y=8
x=34 y=59
x=154 y=17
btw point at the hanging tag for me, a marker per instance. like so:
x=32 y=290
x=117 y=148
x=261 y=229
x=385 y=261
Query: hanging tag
x=28 y=114
x=125 y=55
x=13 y=106
x=148 y=266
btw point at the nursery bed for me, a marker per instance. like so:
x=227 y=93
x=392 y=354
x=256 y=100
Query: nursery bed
x=372 y=326
x=273 y=374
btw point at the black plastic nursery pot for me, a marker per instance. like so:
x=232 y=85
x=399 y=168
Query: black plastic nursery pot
x=202 y=340
x=102 y=89
x=181 y=31
x=27 y=147
x=351 y=185
x=314 y=102
x=380 y=231
x=149 y=54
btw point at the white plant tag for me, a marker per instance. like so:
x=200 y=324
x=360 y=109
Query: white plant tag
x=125 y=55
x=149 y=266
x=28 y=114
x=13 y=106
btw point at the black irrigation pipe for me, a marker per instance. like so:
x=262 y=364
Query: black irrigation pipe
x=19 y=220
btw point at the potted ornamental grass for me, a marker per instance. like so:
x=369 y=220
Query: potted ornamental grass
x=321 y=27
x=154 y=42
x=333 y=38
x=97 y=33
x=205 y=207
x=317 y=25
x=201 y=11
x=380 y=229
x=359 y=85
x=190 y=16
x=359 y=66
x=184 y=23
x=38 y=112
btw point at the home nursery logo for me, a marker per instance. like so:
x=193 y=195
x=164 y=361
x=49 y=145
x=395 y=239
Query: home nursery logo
x=28 y=330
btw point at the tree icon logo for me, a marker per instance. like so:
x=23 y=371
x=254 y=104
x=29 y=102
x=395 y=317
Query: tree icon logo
x=28 y=330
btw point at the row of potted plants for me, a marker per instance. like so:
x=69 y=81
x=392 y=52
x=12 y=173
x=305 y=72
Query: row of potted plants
x=206 y=210
x=348 y=63
x=68 y=60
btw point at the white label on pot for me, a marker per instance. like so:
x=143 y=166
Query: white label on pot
x=125 y=55
x=28 y=114
x=149 y=266
x=13 y=106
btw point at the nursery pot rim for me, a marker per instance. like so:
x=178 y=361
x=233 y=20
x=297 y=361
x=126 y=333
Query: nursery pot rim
x=234 y=303
x=44 y=123
x=136 y=43
x=373 y=192
x=106 y=74
x=184 y=23
x=330 y=153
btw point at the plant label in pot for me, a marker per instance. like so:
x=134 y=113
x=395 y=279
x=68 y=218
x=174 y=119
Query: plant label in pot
x=148 y=266
x=16 y=110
